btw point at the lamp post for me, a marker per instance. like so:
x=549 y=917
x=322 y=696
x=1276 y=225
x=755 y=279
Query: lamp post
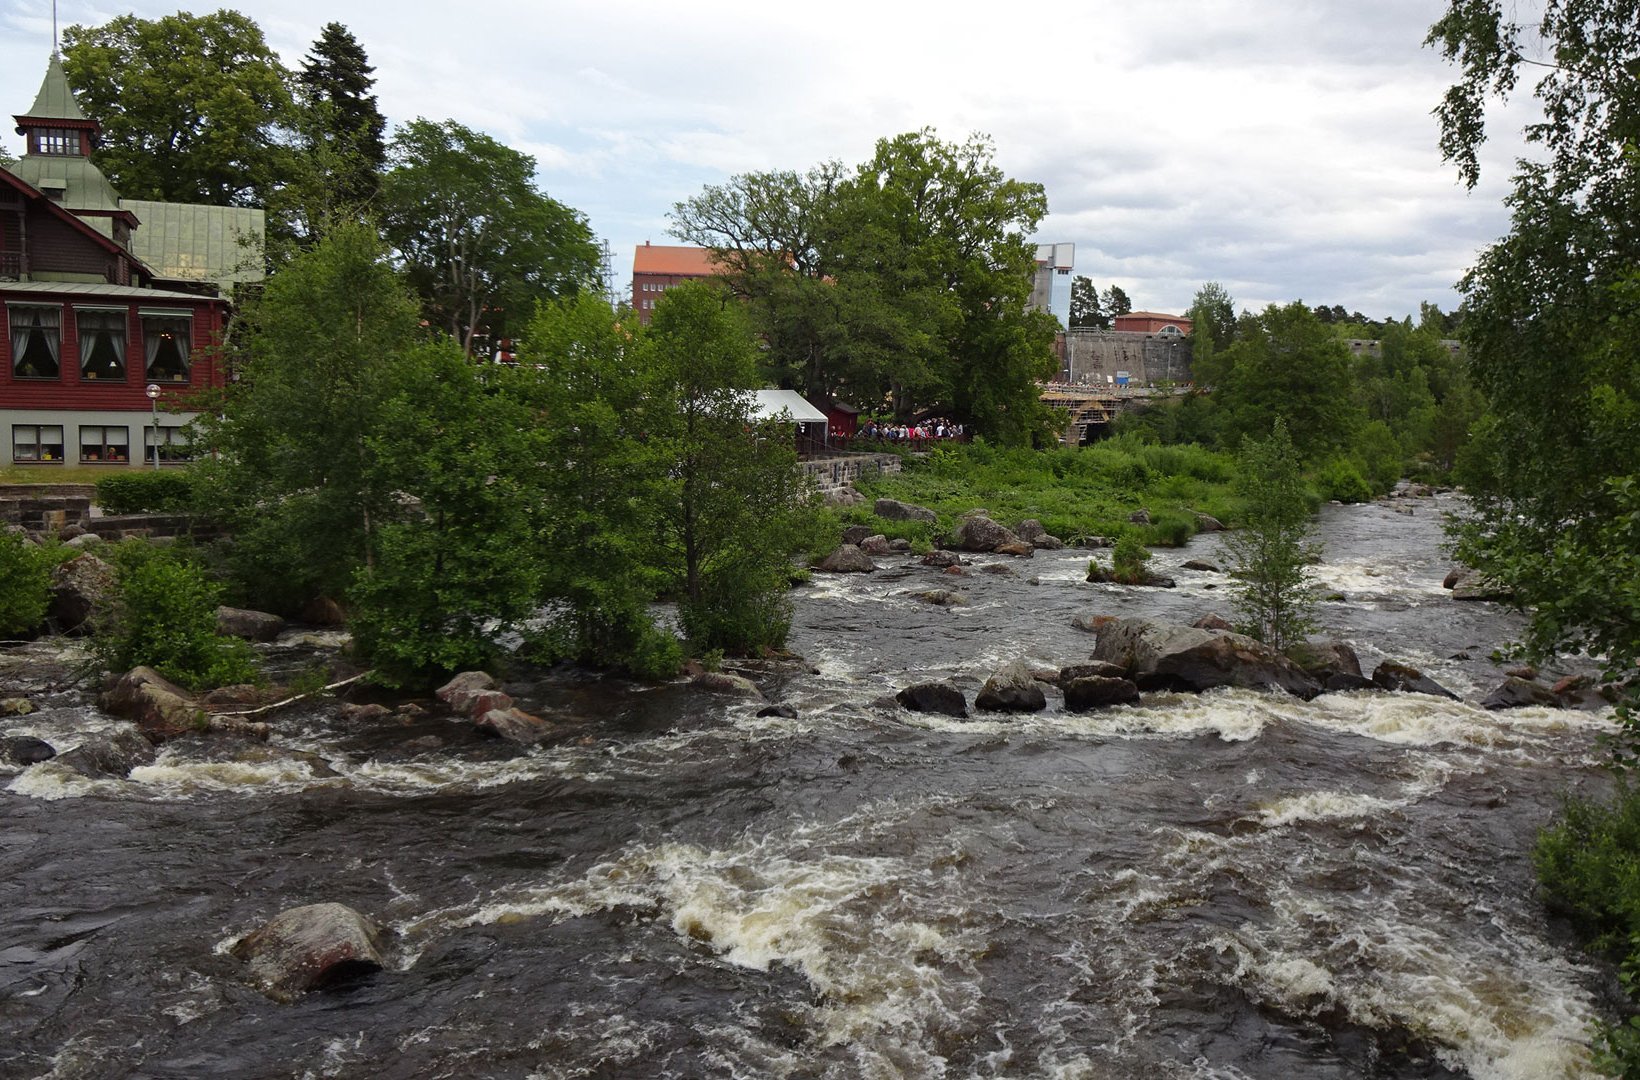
x=153 y=401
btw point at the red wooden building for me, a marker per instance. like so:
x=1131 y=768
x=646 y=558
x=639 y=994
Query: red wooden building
x=88 y=322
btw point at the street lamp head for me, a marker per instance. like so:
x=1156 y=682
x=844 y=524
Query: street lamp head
x=153 y=391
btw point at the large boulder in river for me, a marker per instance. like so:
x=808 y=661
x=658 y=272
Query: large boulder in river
x=514 y=725
x=1321 y=660
x=1012 y=689
x=1160 y=656
x=159 y=707
x=1474 y=585
x=942 y=559
x=1099 y=692
x=1031 y=531
x=1390 y=675
x=308 y=948
x=81 y=591
x=247 y=624
x=1516 y=693
x=976 y=532
x=1091 y=669
x=876 y=545
x=847 y=559
x=461 y=693
x=25 y=750
x=721 y=682
x=894 y=510
x=934 y=697
x=108 y=754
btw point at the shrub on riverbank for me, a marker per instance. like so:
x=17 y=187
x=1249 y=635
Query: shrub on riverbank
x=139 y=491
x=25 y=584
x=165 y=617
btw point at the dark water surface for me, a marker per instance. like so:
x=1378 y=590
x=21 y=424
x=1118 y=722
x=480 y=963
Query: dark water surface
x=1229 y=885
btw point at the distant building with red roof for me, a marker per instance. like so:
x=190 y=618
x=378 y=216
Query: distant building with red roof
x=658 y=267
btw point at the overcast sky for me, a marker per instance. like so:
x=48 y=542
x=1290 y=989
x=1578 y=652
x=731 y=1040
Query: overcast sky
x=1285 y=150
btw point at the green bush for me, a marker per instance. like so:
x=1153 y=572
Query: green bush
x=145 y=491
x=1171 y=528
x=1128 y=559
x=25 y=584
x=164 y=616
x=1340 y=479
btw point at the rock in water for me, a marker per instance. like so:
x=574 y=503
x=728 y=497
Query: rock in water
x=1012 y=689
x=934 y=697
x=308 y=948
x=1098 y=692
x=25 y=750
x=81 y=590
x=513 y=724
x=109 y=754
x=894 y=510
x=162 y=709
x=847 y=559
x=250 y=625
x=462 y=691
x=1399 y=677
x=977 y=532
x=1515 y=693
x=1321 y=660
x=1159 y=656
x=721 y=682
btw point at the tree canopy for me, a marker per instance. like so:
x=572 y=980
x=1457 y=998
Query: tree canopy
x=904 y=281
x=192 y=107
x=479 y=242
x=1086 y=313
x=339 y=129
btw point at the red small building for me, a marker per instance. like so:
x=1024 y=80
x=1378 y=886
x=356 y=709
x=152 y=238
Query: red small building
x=658 y=267
x=1151 y=322
x=88 y=325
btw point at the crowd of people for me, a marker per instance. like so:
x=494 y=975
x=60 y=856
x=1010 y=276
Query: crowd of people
x=915 y=435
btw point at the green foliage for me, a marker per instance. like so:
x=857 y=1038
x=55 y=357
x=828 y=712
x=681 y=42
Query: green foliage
x=1339 y=479
x=907 y=281
x=1269 y=554
x=1086 y=314
x=1286 y=365
x=1587 y=866
x=164 y=616
x=334 y=84
x=191 y=106
x=1128 y=560
x=479 y=243
x=25 y=584
x=145 y=491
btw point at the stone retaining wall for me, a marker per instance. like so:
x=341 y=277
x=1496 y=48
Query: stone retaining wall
x=833 y=474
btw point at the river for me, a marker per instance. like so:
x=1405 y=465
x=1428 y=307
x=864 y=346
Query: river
x=1231 y=885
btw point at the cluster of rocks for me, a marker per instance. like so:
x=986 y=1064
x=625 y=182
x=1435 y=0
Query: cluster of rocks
x=475 y=694
x=1134 y=655
x=975 y=532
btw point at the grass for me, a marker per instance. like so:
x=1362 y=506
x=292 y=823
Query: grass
x=1089 y=491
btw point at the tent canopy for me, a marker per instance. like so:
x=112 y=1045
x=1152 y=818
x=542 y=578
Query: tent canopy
x=769 y=404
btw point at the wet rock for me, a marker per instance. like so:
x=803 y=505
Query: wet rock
x=1390 y=675
x=1100 y=574
x=250 y=625
x=856 y=533
x=513 y=724
x=161 y=709
x=1092 y=623
x=1013 y=688
x=1453 y=576
x=462 y=691
x=82 y=590
x=25 y=750
x=108 y=754
x=976 y=532
x=1160 y=656
x=1208 y=523
x=941 y=598
x=308 y=948
x=1202 y=565
x=361 y=713
x=1016 y=547
x=1092 y=669
x=1524 y=671
x=1099 y=692
x=410 y=710
x=894 y=510
x=1517 y=693
x=956 y=571
x=999 y=569
x=876 y=545
x=323 y=611
x=941 y=558
x=723 y=683
x=1474 y=585
x=899 y=545
x=16 y=706
x=1212 y=621
x=1031 y=531
x=933 y=697
x=482 y=701
x=787 y=711
x=1323 y=659
x=237 y=694
x=847 y=559
x=1340 y=682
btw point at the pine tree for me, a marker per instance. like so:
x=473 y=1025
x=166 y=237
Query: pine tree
x=342 y=115
x=1270 y=554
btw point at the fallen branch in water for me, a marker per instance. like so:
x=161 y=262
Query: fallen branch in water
x=259 y=710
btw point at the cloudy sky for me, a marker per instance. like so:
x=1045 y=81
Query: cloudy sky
x=1285 y=150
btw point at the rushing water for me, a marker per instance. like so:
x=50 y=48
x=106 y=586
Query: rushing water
x=1229 y=885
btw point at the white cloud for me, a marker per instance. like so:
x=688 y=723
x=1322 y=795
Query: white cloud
x=1284 y=150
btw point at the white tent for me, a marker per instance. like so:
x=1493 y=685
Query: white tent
x=784 y=404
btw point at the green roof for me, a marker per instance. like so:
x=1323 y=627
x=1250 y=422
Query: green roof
x=82 y=184
x=191 y=242
x=55 y=101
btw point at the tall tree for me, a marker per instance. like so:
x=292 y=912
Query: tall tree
x=1286 y=364
x=1117 y=302
x=192 y=107
x=341 y=119
x=1270 y=553
x=1086 y=314
x=1552 y=320
x=1212 y=329
x=479 y=242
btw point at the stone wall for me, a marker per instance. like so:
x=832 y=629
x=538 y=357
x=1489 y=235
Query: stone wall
x=1095 y=356
x=833 y=474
